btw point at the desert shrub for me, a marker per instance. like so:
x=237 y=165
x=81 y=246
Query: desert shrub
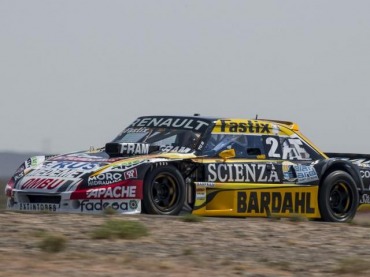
x=2 y=202
x=351 y=265
x=191 y=218
x=187 y=251
x=361 y=223
x=52 y=243
x=2 y=195
x=120 y=229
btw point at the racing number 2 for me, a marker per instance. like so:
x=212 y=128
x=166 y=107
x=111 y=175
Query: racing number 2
x=272 y=144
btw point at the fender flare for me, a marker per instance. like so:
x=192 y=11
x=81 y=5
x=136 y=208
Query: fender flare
x=333 y=164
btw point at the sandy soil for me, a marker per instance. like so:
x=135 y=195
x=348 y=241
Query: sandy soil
x=213 y=247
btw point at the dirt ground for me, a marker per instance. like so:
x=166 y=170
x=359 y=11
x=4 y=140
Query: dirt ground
x=212 y=247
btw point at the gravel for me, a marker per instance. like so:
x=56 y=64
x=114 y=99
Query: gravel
x=212 y=247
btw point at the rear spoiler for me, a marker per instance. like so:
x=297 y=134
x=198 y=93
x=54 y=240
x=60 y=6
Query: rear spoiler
x=349 y=156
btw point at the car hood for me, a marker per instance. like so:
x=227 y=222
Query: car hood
x=101 y=157
x=68 y=172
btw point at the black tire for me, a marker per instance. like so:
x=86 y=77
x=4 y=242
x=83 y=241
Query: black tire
x=338 y=197
x=164 y=191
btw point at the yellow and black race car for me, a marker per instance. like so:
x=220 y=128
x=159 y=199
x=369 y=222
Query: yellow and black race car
x=206 y=166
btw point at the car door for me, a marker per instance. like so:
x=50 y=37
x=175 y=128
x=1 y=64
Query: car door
x=249 y=164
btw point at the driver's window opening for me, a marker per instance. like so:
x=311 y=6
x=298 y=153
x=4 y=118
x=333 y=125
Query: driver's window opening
x=245 y=146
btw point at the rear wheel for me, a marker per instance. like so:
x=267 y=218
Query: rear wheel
x=164 y=191
x=338 y=197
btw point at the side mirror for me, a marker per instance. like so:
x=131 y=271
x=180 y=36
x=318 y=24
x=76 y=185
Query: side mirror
x=227 y=154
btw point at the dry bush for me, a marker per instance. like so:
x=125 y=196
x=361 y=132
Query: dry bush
x=52 y=243
x=191 y=218
x=120 y=229
x=2 y=195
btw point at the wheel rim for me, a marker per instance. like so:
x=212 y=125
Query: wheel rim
x=340 y=200
x=164 y=192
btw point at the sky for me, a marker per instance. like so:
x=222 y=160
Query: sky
x=74 y=73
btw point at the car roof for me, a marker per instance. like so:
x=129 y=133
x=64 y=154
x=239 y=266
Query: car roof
x=287 y=124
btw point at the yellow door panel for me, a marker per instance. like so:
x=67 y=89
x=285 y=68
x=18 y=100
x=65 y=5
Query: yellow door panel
x=258 y=200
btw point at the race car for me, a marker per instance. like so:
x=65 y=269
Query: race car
x=206 y=166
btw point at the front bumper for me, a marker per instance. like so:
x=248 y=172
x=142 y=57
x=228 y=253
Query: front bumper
x=61 y=202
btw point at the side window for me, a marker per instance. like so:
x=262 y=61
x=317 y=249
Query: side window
x=245 y=146
x=255 y=146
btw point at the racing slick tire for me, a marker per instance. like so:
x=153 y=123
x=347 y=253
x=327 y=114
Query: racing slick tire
x=164 y=191
x=338 y=197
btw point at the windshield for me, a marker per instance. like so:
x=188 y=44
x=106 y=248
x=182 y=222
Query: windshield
x=167 y=138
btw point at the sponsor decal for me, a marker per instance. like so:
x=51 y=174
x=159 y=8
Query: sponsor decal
x=64 y=173
x=112 y=192
x=88 y=166
x=18 y=176
x=239 y=172
x=134 y=148
x=293 y=150
x=34 y=161
x=101 y=205
x=83 y=157
x=135 y=130
x=177 y=149
x=365 y=174
x=200 y=193
x=130 y=174
x=159 y=162
x=274 y=202
x=42 y=183
x=201 y=145
x=305 y=174
x=299 y=173
x=360 y=162
x=206 y=184
x=171 y=122
x=365 y=199
x=133 y=204
x=252 y=126
x=288 y=172
x=104 y=179
x=38 y=207
x=127 y=165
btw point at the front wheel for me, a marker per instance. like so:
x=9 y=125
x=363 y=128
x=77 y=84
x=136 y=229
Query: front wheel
x=338 y=197
x=164 y=191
